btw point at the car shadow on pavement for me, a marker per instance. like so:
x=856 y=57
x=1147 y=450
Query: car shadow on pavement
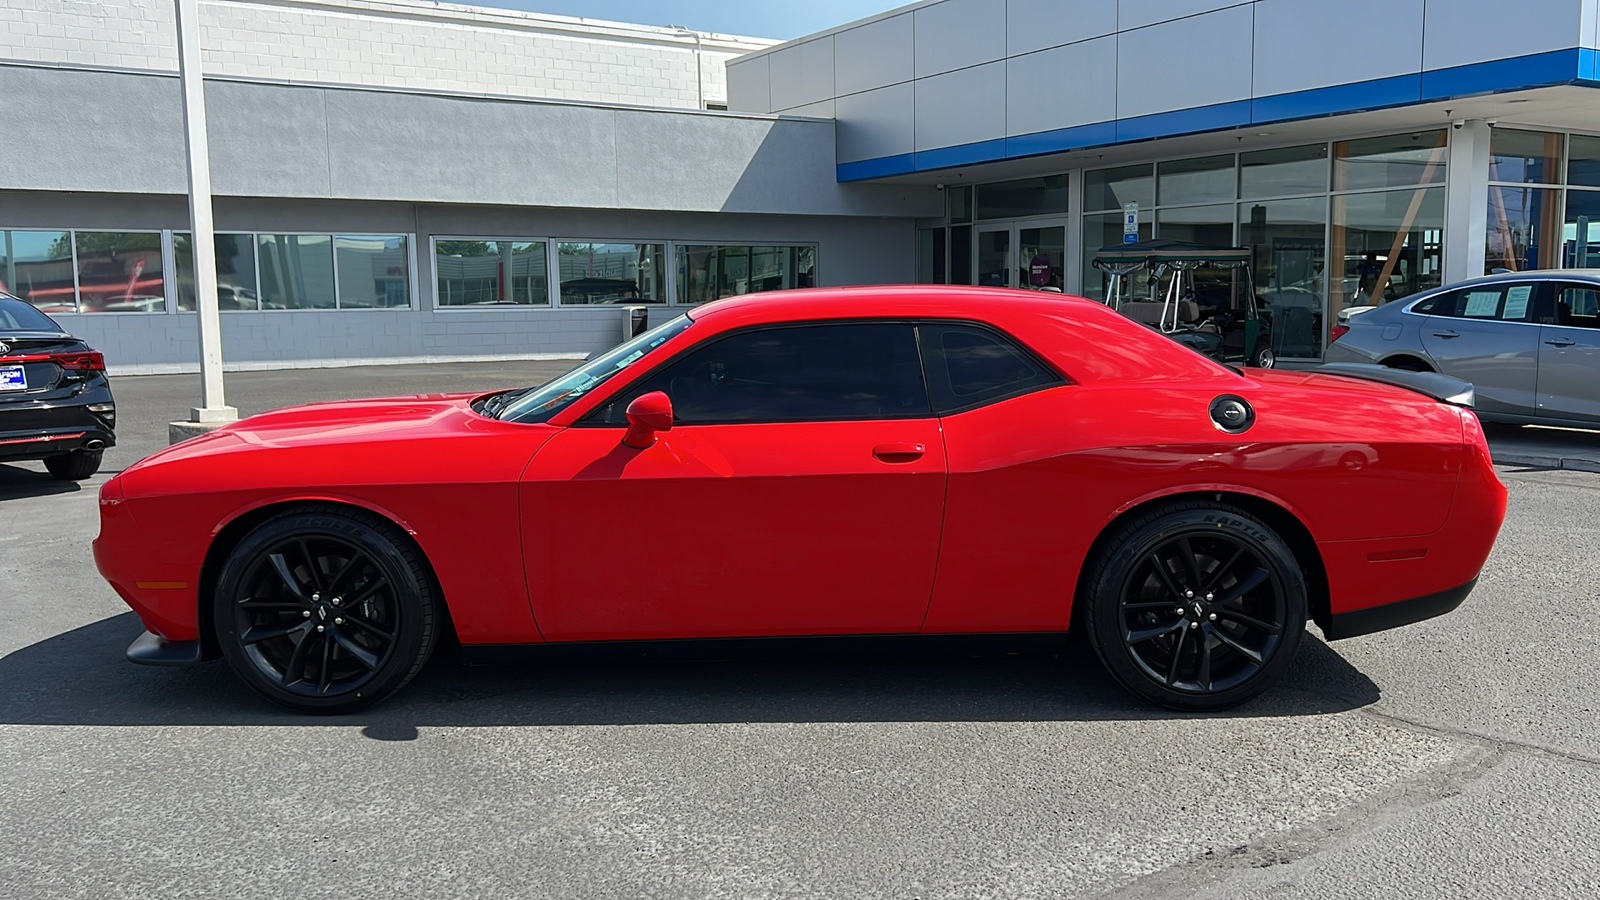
x=17 y=483
x=81 y=678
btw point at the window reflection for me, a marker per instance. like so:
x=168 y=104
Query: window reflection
x=37 y=266
x=708 y=272
x=1289 y=256
x=1525 y=157
x=1391 y=161
x=236 y=271
x=491 y=273
x=1195 y=180
x=1390 y=244
x=296 y=271
x=598 y=273
x=1521 y=227
x=120 y=271
x=374 y=271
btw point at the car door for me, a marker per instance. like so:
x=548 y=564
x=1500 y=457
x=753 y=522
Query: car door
x=1569 y=354
x=799 y=491
x=1486 y=334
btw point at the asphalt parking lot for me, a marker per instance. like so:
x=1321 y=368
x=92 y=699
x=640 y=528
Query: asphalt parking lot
x=1454 y=758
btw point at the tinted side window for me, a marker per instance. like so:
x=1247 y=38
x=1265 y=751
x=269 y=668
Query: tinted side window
x=1578 y=307
x=969 y=366
x=1508 y=303
x=791 y=374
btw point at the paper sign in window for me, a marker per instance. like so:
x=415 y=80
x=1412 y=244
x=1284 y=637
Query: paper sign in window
x=1482 y=304
x=1516 y=302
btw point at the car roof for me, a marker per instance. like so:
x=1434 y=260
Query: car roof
x=1087 y=340
x=1589 y=275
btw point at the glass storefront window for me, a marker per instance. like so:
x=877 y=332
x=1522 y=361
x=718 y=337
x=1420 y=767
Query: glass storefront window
x=961 y=254
x=707 y=273
x=1524 y=157
x=958 y=201
x=1105 y=230
x=37 y=266
x=1208 y=225
x=1580 y=235
x=1521 y=229
x=374 y=271
x=1042 y=257
x=296 y=271
x=236 y=271
x=1392 y=161
x=491 y=273
x=1583 y=161
x=1203 y=180
x=1284 y=173
x=120 y=271
x=1028 y=197
x=931 y=256
x=1113 y=189
x=606 y=273
x=1288 y=243
x=1387 y=244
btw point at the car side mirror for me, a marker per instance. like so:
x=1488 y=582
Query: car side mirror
x=647 y=414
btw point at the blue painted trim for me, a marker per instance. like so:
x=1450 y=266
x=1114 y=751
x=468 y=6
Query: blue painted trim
x=881 y=167
x=1581 y=65
x=1538 y=70
x=1341 y=98
x=1589 y=65
x=1184 y=121
x=1075 y=138
x=961 y=155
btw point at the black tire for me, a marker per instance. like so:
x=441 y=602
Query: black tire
x=74 y=466
x=285 y=636
x=1179 y=649
x=1408 y=363
x=1263 y=358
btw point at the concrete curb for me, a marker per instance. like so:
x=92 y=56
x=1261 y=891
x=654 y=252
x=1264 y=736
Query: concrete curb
x=1537 y=461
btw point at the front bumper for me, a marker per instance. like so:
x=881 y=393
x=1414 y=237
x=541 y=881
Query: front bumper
x=1393 y=615
x=154 y=650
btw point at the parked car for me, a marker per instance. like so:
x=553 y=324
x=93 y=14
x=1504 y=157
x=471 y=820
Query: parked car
x=1528 y=341
x=892 y=461
x=55 y=399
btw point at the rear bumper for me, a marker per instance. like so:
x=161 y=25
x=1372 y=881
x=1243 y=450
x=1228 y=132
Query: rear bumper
x=40 y=443
x=1393 y=615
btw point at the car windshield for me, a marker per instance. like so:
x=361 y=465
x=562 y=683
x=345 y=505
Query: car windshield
x=537 y=404
x=19 y=315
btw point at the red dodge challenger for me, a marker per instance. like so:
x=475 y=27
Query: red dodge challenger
x=869 y=461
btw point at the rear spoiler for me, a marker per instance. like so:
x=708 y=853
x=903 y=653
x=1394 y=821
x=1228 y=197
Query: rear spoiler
x=1440 y=387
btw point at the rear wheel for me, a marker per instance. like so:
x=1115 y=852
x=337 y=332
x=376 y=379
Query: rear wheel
x=1196 y=606
x=325 y=610
x=1408 y=363
x=1263 y=358
x=74 y=466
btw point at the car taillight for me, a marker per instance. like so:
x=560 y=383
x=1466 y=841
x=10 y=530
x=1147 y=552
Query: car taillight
x=1336 y=332
x=89 y=361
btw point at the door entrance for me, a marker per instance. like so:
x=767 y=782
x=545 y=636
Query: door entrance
x=1021 y=255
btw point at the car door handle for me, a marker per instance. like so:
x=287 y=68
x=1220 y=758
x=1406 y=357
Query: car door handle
x=1447 y=334
x=1561 y=342
x=902 y=451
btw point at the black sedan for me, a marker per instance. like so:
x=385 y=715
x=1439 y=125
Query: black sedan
x=55 y=399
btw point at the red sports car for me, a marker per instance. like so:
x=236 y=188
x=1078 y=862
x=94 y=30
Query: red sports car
x=870 y=461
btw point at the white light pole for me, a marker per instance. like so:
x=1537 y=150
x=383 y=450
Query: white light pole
x=213 y=410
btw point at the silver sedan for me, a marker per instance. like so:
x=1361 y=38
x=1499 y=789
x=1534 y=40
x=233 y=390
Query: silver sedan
x=1528 y=341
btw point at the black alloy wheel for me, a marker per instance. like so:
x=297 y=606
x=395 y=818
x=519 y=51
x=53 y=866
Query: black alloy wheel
x=325 y=610
x=1196 y=606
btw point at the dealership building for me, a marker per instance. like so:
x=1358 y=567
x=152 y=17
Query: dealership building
x=406 y=181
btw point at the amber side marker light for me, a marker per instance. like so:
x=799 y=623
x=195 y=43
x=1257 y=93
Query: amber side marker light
x=161 y=585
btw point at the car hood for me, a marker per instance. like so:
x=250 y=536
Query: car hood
x=332 y=423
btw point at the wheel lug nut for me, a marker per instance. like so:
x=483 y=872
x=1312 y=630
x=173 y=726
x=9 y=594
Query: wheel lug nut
x=320 y=629
x=306 y=614
x=338 y=621
x=1179 y=610
x=316 y=598
x=337 y=600
x=1191 y=625
x=1188 y=595
x=1213 y=617
x=1208 y=598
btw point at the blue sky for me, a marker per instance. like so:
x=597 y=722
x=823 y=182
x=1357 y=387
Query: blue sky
x=782 y=19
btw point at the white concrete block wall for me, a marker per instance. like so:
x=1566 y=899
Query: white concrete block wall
x=386 y=43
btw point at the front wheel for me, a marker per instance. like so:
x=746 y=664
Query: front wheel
x=325 y=610
x=1196 y=606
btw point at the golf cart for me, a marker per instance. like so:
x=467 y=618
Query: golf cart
x=1201 y=297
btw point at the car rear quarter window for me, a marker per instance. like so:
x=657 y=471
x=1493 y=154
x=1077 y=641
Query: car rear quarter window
x=969 y=366
x=1578 y=306
x=799 y=373
x=1499 y=302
